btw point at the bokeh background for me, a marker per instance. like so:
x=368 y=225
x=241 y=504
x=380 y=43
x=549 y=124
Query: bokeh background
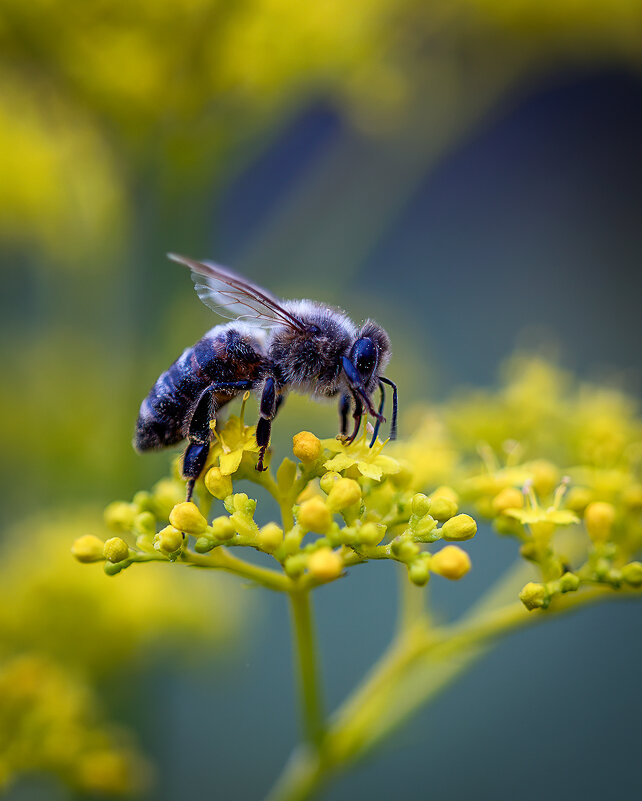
x=468 y=173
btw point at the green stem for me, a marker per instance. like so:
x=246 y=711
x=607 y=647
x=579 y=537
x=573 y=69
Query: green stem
x=221 y=559
x=309 y=688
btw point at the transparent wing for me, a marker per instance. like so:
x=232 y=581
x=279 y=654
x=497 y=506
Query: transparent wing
x=234 y=297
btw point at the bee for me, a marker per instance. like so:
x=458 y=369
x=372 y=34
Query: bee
x=271 y=347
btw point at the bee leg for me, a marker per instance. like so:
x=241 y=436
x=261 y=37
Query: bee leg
x=344 y=410
x=200 y=433
x=382 y=403
x=269 y=405
x=357 y=415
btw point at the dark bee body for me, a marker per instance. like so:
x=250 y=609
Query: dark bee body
x=279 y=346
x=225 y=356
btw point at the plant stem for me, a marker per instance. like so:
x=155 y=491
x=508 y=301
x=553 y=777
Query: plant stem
x=306 y=659
x=223 y=560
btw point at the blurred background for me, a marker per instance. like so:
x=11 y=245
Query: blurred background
x=468 y=173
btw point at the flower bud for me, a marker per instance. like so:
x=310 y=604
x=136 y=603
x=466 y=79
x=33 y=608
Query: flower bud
x=534 y=596
x=88 y=549
x=115 y=550
x=145 y=524
x=442 y=508
x=327 y=480
x=186 y=517
x=294 y=565
x=420 y=504
x=545 y=477
x=167 y=493
x=578 y=499
x=598 y=518
x=223 y=528
x=314 y=515
x=217 y=484
x=269 y=537
x=419 y=572
x=508 y=498
x=325 y=564
x=169 y=540
x=120 y=516
x=458 y=528
x=404 y=549
x=451 y=562
x=445 y=492
x=632 y=574
x=345 y=492
x=306 y=447
x=569 y=582
x=371 y=533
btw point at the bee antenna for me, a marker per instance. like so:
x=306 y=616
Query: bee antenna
x=393 y=426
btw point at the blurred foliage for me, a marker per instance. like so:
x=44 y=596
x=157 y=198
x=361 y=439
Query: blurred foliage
x=95 y=96
x=64 y=631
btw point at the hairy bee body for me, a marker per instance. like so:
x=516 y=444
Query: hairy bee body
x=227 y=354
x=272 y=347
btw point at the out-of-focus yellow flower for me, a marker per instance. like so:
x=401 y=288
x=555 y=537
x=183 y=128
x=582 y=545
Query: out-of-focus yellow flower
x=451 y=562
x=325 y=564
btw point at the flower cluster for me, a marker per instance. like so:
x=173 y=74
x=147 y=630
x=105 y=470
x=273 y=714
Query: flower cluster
x=343 y=505
x=356 y=504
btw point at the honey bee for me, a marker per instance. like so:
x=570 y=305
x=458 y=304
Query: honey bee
x=271 y=347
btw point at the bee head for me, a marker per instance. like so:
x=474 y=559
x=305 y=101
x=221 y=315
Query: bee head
x=370 y=354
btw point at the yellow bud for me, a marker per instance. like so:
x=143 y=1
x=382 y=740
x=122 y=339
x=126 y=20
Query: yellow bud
x=345 y=492
x=451 y=562
x=325 y=564
x=186 y=517
x=120 y=516
x=460 y=527
x=534 y=596
x=598 y=518
x=217 y=484
x=327 y=480
x=446 y=492
x=223 y=528
x=314 y=515
x=632 y=574
x=269 y=537
x=545 y=477
x=442 y=508
x=88 y=549
x=169 y=540
x=508 y=498
x=418 y=571
x=578 y=498
x=420 y=504
x=115 y=550
x=306 y=447
x=371 y=533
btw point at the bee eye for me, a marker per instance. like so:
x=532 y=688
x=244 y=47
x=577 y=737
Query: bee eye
x=364 y=356
x=314 y=330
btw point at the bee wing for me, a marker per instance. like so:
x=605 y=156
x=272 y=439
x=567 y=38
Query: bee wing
x=234 y=297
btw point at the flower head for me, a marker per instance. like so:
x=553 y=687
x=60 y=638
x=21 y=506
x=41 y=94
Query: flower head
x=370 y=462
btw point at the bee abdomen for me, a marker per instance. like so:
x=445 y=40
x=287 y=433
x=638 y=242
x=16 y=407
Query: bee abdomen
x=166 y=412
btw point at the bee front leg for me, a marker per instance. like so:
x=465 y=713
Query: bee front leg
x=270 y=402
x=357 y=414
x=344 y=411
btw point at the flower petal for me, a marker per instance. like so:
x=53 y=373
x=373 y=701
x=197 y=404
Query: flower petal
x=369 y=470
x=229 y=462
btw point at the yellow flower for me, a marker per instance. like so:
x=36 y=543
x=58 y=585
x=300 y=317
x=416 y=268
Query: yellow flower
x=325 y=564
x=88 y=548
x=534 y=514
x=368 y=461
x=187 y=517
x=232 y=442
x=314 y=515
x=451 y=562
x=306 y=446
x=115 y=550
